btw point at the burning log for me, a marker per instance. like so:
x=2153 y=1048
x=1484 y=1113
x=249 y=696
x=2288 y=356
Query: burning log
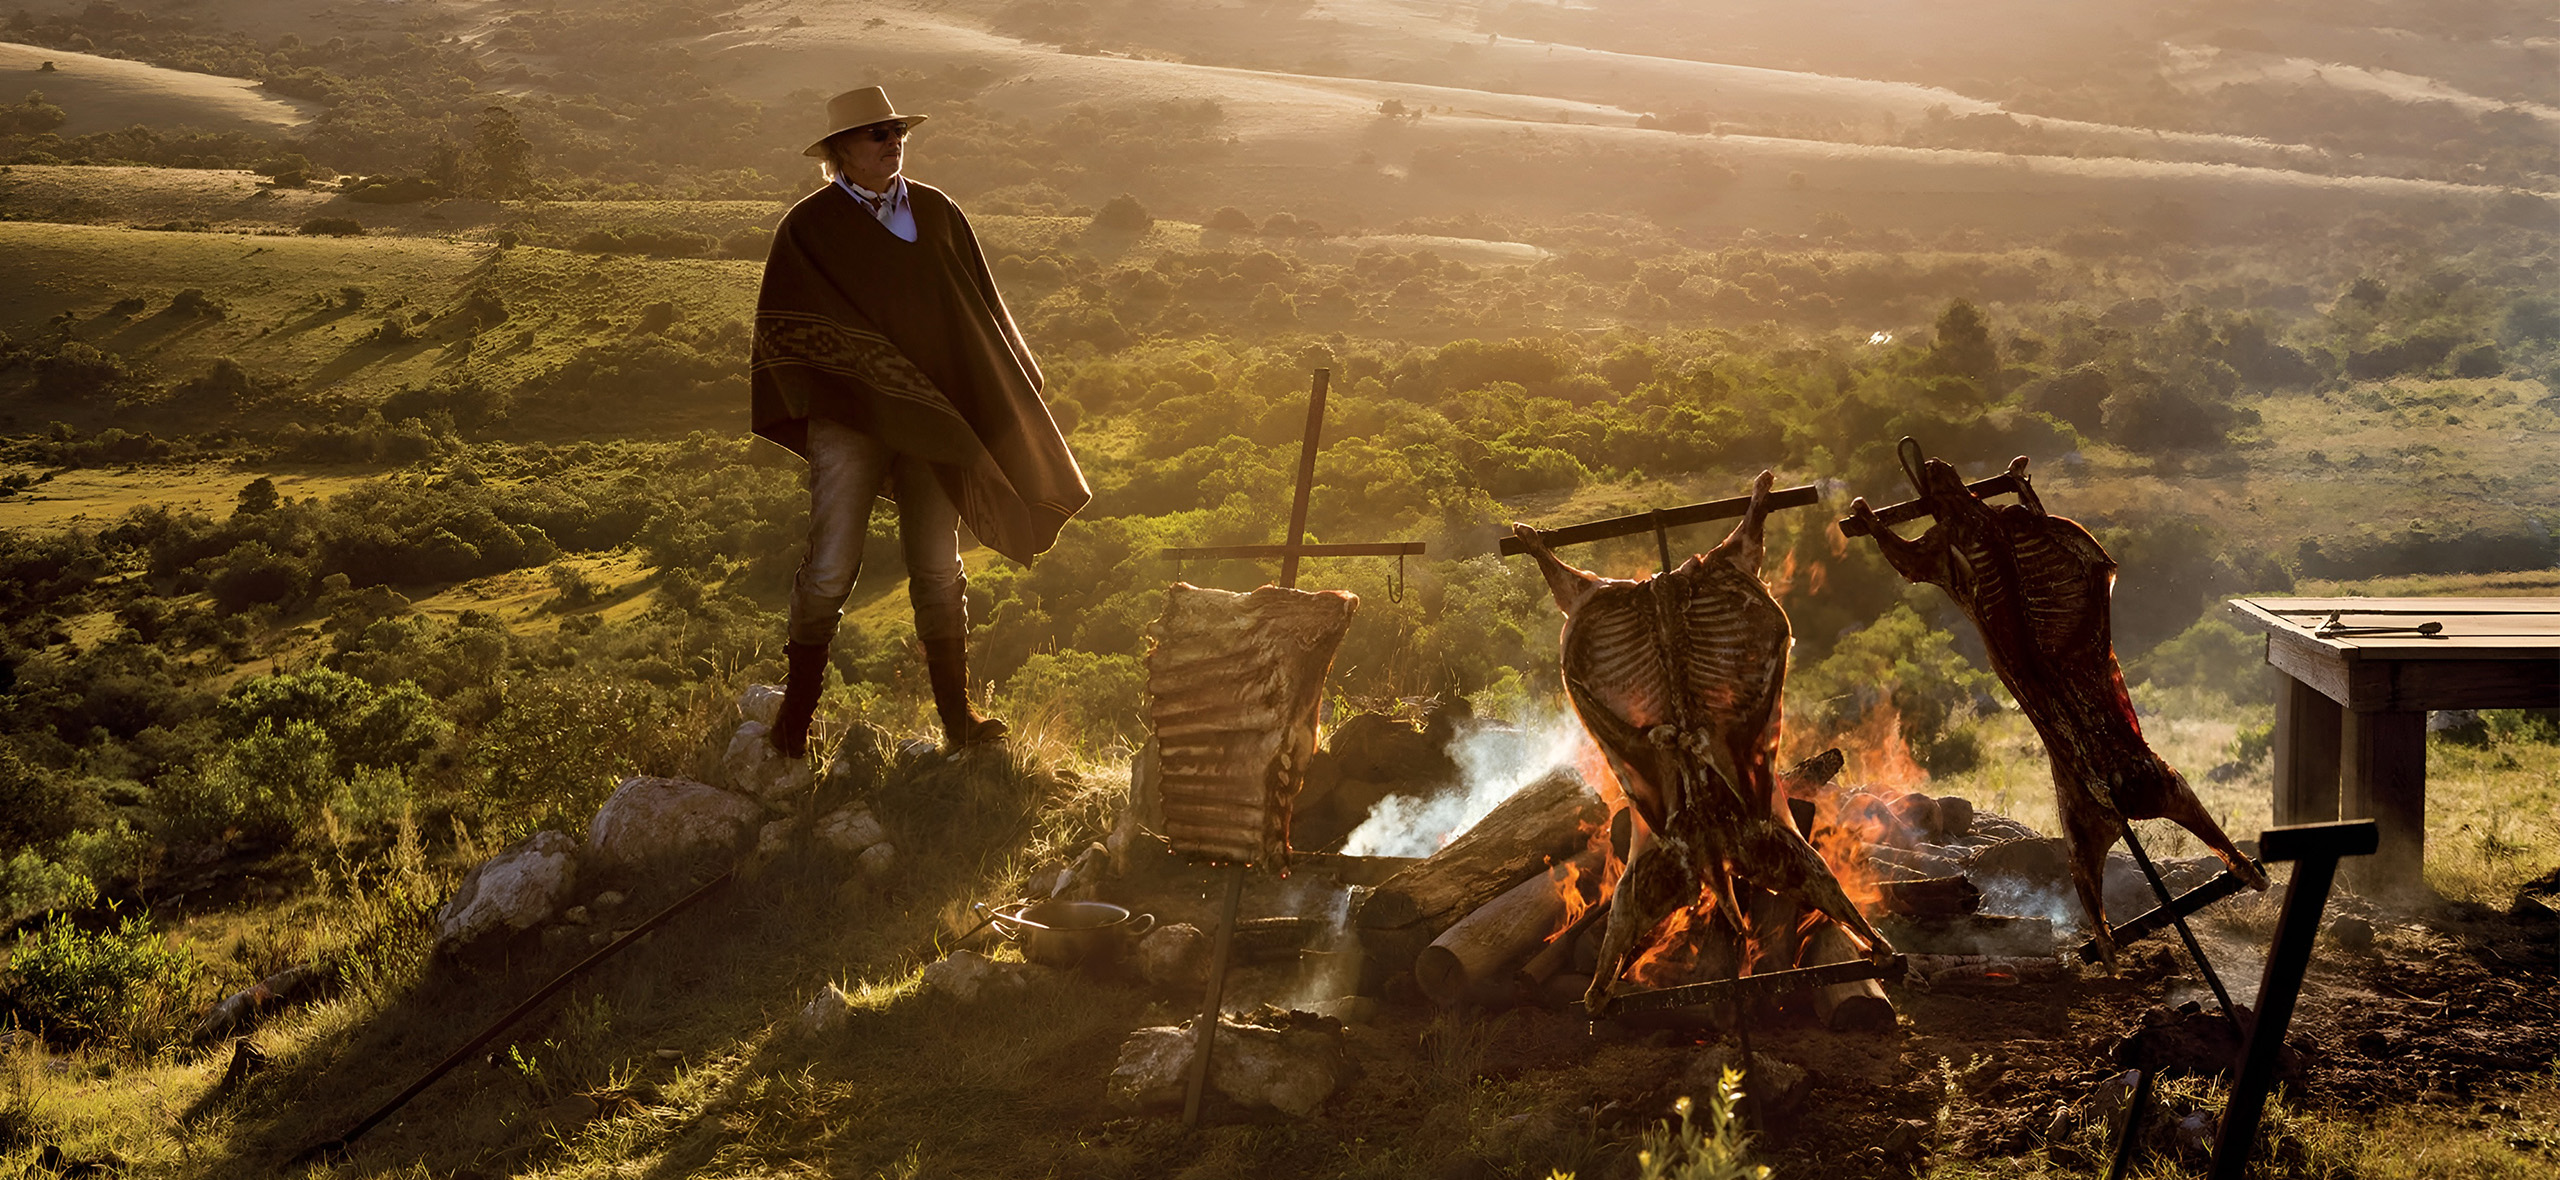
x=1857 y=1004
x=1565 y=949
x=1928 y=895
x=1233 y=682
x=1547 y=821
x=1971 y=934
x=1476 y=950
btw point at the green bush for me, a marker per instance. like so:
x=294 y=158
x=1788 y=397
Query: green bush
x=335 y=227
x=2213 y=656
x=1903 y=662
x=1092 y=700
x=31 y=885
x=128 y=984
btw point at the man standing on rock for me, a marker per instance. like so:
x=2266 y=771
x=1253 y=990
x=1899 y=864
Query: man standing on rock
x=885 y=358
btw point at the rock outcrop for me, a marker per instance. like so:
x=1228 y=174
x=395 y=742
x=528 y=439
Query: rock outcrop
x=652 y=823
x=511 y=892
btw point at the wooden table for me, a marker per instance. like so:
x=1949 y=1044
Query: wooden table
x=2353 y=711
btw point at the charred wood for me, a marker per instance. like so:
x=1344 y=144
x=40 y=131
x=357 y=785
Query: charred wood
x=1547 y=821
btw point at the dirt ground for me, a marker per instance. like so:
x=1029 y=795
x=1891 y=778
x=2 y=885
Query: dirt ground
x=2441 y=1004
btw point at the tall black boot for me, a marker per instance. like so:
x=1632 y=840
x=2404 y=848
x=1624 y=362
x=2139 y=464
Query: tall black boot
x=946 y=664
x=808 y=663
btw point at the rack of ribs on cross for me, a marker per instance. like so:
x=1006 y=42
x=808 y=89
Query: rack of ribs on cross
x=1233 y=683
x=1677 y=677
x=2037 y=586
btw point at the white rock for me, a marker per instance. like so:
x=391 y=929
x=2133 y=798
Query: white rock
x=850 y=830
x=773 y=839
x=512 y=891
x=877 y=862
x=1174 y=958
x=1292 y=1070
x=760 y=703
x=606 y=902
x=968 y=977
x=651 y=821
x=755 y=768
x=827 y=1012
x=575 y=915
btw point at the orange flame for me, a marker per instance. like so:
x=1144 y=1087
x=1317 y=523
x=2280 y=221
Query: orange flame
x=1845 y=824
x=1667 y=961
x=1566 y=877
x=1815 y=575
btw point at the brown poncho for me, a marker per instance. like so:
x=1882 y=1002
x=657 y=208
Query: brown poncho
x=909 y=343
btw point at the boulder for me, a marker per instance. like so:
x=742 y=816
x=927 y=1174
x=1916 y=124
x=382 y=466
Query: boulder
x=968 y=977
x=654 y=822
x=850 y=830
x=511 y=892
x=773 y=840
x=760 y=703
x=877 y=863
x=754 y=767
x=1175 y=958
x=1289 y=1062
x=826 y=1012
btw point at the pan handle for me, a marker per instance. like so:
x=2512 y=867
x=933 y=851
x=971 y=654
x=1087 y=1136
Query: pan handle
x=1006 y=918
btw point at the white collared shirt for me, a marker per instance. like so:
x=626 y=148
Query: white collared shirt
x=890 y=207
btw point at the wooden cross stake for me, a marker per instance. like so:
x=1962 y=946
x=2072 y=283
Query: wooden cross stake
x=1660 y=521
x=1289 y=553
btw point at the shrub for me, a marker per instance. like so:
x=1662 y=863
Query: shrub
x=335 y=227
x=194 y=303
x=575 y=585
x=268 y=785
x=225 y=383
x=255 y=575
x=78 y=371
x=1229 y=219
x=2212 y=655
x=389 y=190
x=665 y=243
x=31 y=885
x=1123 y=214
x=1089 y=699
x=32 y=115
x=128 y=983
x=1720 y=1150
x=1902 y=663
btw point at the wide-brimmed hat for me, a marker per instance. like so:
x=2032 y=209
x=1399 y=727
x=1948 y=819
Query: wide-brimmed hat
x=857 y=108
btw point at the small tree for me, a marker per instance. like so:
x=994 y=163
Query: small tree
x=259 y=497
x=1963 y=347
x=501 y=156
x=1123 y=214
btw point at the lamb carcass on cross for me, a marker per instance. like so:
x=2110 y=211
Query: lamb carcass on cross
x=2037 y=587
x=1677 y=678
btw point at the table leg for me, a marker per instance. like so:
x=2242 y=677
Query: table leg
x=2306 y=747
x=2385 y=775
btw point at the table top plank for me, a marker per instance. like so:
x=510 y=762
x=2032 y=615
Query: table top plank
x=2472 y=628
x=2520 y=605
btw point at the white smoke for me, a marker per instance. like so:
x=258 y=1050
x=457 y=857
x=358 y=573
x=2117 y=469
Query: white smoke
x=1493 y=764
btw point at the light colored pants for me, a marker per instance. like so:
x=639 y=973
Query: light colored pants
x=847 y=469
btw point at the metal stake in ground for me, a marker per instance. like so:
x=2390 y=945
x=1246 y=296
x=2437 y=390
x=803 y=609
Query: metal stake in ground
x=334 y=1149
x=2315 y=850
x=2169 y=904
x=1288 y=553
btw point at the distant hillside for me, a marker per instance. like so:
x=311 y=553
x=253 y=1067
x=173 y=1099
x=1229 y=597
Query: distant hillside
x=107 y=94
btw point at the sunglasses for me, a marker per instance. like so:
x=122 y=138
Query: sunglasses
x=881 y=133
